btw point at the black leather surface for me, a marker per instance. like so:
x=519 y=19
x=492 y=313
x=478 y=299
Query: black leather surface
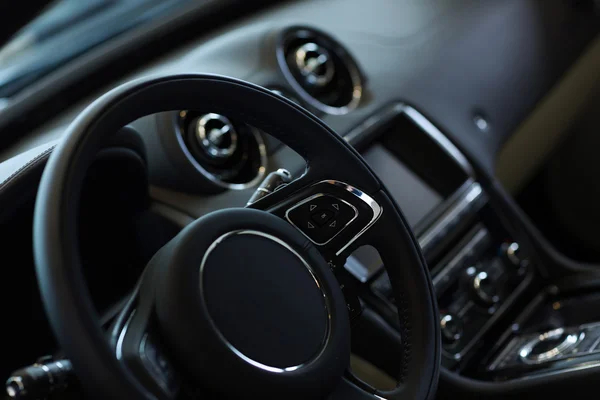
x=58 y=265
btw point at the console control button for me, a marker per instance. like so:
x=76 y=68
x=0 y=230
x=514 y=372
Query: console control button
x=451 y=327
x=484 y=289
x=512 y=253
x=321 y=217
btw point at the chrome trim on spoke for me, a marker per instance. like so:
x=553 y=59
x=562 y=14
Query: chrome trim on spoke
x=121 y=339
x=375 y=207
x=237 y=352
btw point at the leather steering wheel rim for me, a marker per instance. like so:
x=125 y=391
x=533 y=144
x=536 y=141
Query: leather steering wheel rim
x=58 y=266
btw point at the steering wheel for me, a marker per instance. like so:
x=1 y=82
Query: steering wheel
x=243 y=302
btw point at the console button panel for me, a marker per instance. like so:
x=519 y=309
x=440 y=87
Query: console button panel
x=473 y=283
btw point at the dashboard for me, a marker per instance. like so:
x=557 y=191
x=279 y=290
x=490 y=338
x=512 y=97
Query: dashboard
x=428 y=92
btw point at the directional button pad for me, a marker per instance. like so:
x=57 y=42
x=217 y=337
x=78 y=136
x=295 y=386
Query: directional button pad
x=321 y=217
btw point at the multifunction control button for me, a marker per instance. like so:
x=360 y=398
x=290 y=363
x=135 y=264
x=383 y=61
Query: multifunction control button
x=321 y=217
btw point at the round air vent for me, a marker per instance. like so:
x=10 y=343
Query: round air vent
x=320 y=70
x=230 y=154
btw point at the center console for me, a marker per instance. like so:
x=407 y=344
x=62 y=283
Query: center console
x=557 y=332
x=502 y=324
x=480 y=273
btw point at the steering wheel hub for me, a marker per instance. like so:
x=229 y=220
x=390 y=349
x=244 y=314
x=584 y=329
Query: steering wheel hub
x=242 y=293
x=265 y=300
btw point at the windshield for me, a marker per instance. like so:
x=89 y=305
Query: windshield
x=66 y=29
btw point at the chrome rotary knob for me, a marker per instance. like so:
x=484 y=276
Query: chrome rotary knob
x=315 y=64
x=484 y=289
x=216 y=136
x=451 y=327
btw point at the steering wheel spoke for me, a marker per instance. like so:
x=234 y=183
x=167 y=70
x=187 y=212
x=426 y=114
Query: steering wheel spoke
x=138 y=346
x=330 y=213
x=333 y=215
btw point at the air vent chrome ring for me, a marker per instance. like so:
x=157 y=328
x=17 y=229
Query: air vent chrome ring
x=320 y=70
x=229 y=155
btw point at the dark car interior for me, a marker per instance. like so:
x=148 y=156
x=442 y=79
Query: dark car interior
x=311 y=199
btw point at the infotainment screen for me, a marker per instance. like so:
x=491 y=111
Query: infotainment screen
x=419 y=173
x=415 y=198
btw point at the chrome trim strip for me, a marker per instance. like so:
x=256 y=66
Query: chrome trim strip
x=121 y=339
x=435 y=134
x=454 y=263
x=473 y=195
x=375 y=207
x=241 y=355
x=312 y=198
x=512 y=345
x=579 y=367
x=594 y=346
